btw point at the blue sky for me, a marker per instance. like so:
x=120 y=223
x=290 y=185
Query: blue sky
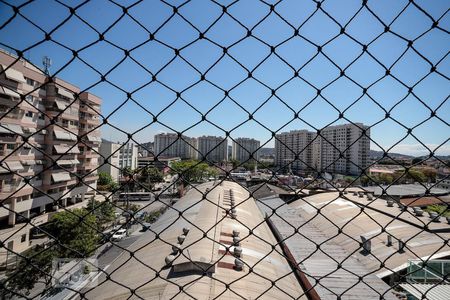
x=223 y=72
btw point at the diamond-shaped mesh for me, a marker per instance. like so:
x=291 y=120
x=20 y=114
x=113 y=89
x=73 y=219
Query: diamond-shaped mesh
x=321 y=82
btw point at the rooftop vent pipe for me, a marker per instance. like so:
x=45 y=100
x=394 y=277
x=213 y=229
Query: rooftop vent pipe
x=169 y=259
x=238 y=264
x=237 y=251
x=181 y=238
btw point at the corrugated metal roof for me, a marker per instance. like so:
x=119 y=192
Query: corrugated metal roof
x=404 y=190
x=431 y=291
x=204 y=215
x=322 y=264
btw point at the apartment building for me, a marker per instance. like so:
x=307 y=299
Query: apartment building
x=172 y=145
x=146 y=149
x=212 y=148
x=48 y=149
x=115 y=157
x=128 y=156
x=245 y=149
x=293 y=150
x=109 y=159
x=348 y=140
x=342 y=149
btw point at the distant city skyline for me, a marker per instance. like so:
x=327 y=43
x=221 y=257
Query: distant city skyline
x=223 y=73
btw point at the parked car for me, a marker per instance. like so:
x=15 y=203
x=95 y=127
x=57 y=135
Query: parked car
x=119 y=234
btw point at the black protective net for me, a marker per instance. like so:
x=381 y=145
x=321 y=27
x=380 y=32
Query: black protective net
x=320 y=216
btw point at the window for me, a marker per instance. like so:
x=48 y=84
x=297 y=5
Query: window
x=30 y=82
x=29 y=114
x=41 y=116
x=10 y=146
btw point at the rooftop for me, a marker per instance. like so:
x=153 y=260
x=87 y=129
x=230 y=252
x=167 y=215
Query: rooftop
x=204 y=248
x=404 y=190
x=337 y=224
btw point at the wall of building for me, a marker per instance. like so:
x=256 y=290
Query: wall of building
x=109 y=159
x=39 y=141
x=244 y=148
x=305 y=150
x=171 y=145
x=212 y=148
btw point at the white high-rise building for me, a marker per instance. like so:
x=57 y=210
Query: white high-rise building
x=293 y=149
x=213 y=148
x=244 y=148
x=171 y=145
x=348 y=139
x=323 y=152
x=128 y=156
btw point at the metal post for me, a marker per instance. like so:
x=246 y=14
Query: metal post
x=389 y=240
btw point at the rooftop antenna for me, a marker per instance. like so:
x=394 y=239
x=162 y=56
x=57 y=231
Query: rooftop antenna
x=47 y=62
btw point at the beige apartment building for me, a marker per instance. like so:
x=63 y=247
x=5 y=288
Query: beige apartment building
x=323 y=152
x=49 y=141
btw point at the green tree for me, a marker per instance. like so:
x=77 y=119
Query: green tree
x=127 y=171
x=77 y=236
x=191 y=170
x=113 y=187
x=416 y=175
x=104 y=212
x=149 y=175
x=104 y=179
x=36 y=265
x=235 y=162
x=416 y=160
x=430 y=174
x=385 y=178
x=75 y=231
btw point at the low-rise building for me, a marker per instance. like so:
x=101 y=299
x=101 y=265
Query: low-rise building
x=161 y=163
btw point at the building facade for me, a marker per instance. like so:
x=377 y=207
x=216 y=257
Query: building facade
x=245 y=149
x=171 y=145
x=146 y=149
x=342 y=149
x=212 y=148
x=48 y=149
x=109 y=159
x=128 y=156
x=348 y=140
x=293 y=150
